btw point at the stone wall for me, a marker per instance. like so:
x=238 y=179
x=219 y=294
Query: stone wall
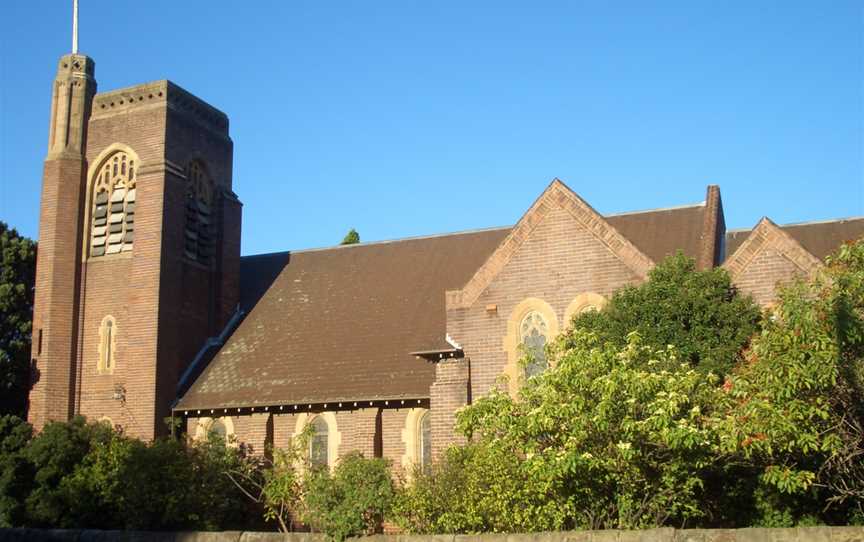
x=803 y=534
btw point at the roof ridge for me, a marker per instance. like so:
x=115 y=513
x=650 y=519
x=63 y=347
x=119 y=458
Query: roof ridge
x=382 y=242
x=825 y=221
x=804 y=223
x=658 y=209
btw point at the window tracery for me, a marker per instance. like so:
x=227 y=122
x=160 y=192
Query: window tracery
x=113 y=210
x=534 y=332
x=199 y=206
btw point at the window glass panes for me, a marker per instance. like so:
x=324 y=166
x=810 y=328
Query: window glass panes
x=534 y=332
x=318 y=452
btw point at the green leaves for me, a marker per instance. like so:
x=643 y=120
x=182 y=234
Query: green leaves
x=673 y=405
x=87 y=475
x=794 y=406
x=351 y=238
x=352 y=501
x=699 y=312
x=622 y=434
x=17 y=278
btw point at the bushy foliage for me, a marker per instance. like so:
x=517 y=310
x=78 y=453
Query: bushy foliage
x=351 y=238
x=55 y=454
x=352 y=501
x=699 y=312
x=274 y=481
x=479 y=488
x=621 y=438
x=88 y=475
x=640 y=432
x=16 y=474
x=795 y=407
x=17 y=278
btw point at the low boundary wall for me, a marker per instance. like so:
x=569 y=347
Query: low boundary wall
x=801 y=534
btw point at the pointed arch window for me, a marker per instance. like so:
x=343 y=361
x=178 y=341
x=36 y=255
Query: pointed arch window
x=319 y=453
x=112 y=228
x=424 y=442
x=199 y=216
x=534 y=332
x=107 y=345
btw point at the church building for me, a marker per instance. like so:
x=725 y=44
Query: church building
x=146 y=310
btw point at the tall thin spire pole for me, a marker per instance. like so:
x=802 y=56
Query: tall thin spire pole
x=74 y=27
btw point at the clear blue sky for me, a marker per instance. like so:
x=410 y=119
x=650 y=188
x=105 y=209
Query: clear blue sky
x=404 y=118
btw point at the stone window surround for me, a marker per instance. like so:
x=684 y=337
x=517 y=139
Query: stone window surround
x=93 y=172
x=411 y=439
x=202 y=428
x=512 y=343
x=583 y=302
x=513 y=338
x=334 y=437
x=107 y=360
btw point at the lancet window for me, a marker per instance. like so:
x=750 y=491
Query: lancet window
x=113 y=211
x=319 y=443
x=424 y=442
x=199 y=214
x=534 y=332
x=107 y=345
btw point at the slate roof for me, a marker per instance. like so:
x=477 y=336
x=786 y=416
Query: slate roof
x=819 y=238
x=661 y=232
x=339 y=324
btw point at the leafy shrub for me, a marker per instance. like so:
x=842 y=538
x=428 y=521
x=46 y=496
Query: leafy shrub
x=795 y=407
x=622 y=436
x=87 y=475
x=700 y=312
x=352 y=501
x=479 y=488
x=54 y=454
x=16 y=475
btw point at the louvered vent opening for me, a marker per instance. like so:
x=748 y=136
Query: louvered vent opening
x=199 y=220
x=113 y=212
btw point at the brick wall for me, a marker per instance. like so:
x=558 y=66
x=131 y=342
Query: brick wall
x=767 y=258
x=558 y=260
x=374 y=432
x=765 y=272
x=56 y=314
x=165 y=306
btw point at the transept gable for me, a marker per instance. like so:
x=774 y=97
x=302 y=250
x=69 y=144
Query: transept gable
x=767 y=235
x=556 y=197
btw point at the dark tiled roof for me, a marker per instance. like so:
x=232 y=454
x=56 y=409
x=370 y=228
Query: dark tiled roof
x=257 y=273
x=819 y=238
x=662 y=232
x=339 y=324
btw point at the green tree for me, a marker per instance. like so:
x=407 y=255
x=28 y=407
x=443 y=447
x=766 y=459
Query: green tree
x=795 y=407
x=621 y=438
x=275 y=481
x=17 y=278
x=477 y=488
x=699 y=312
x=16 y=476
x=351 y=238
x=352 y=501
x=54 y=454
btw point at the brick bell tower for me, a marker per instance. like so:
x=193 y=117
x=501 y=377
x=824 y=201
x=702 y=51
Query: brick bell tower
x=139 y=249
